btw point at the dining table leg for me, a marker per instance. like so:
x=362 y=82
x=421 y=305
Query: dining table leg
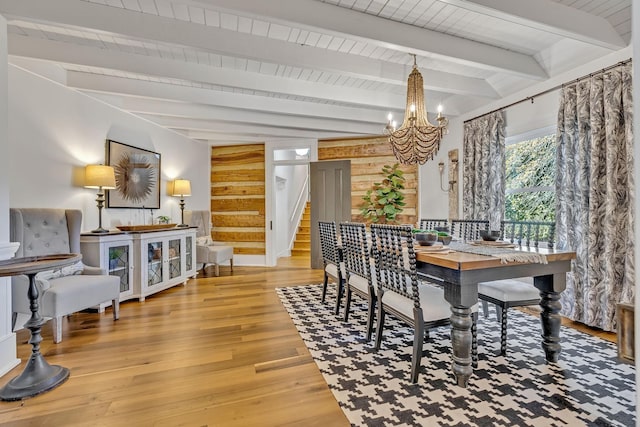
x=550 y=287
x=461 y=298
x=461 y=338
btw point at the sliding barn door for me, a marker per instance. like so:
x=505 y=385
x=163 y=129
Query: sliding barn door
x=330 y=183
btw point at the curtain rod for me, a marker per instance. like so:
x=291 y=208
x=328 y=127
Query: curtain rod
x=544 y=92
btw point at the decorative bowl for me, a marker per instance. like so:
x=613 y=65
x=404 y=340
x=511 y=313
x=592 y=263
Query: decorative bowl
x=490 y=235
x=444 y=239
x=426 y=239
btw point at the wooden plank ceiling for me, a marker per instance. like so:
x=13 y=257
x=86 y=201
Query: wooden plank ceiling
x=241 y=71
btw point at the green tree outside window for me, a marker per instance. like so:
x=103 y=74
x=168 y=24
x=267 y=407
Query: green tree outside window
x=530 y=179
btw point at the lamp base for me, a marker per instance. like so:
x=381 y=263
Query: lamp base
x=99 y=231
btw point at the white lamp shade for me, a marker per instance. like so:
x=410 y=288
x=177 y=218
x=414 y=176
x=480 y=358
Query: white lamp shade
x=96 y=176
x=181 y=187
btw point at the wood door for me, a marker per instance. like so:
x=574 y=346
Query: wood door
x=330 y=183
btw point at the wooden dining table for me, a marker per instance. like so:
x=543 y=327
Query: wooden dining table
x=460 y=273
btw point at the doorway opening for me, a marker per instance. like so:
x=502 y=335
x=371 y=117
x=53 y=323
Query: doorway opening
x=291 y=201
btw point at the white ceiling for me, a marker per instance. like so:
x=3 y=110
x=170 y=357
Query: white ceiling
x=228 y=71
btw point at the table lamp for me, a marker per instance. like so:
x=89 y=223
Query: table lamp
x=103 y=178
x=182 y=189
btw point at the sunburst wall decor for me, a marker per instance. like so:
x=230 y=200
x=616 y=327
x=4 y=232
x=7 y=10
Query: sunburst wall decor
x=137 y=177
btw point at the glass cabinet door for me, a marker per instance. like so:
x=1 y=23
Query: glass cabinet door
x=119 y=265
x=175 y=258
x=189 y=253
x=154 y=255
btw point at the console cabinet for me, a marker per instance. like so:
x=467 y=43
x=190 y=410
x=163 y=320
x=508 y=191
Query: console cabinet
x=112 y=252
x=162 y=259
x=146 y=261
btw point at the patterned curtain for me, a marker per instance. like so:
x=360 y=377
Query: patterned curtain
x=483 y=174
x=595 y=195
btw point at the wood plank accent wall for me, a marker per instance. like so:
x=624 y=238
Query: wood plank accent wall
x=238 y=197
x=368 y=156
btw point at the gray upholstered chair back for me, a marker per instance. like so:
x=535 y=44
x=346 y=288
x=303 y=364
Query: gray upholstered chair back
x=200 y=219
x=45 y=231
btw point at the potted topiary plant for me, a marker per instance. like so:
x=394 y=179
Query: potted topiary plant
x=385 y=200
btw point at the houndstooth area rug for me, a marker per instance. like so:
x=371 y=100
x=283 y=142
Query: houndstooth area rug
x=588 y=387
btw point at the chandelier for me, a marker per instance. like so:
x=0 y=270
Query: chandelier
x=417 y=140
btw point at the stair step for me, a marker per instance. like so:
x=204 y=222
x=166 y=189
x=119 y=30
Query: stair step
x=302 y=242
x=300 y=252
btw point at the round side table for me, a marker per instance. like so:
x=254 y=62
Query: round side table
x=38 y=376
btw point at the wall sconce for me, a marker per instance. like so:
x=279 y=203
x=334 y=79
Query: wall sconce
x=454 y=166
x=182 y=189
x=103 y=178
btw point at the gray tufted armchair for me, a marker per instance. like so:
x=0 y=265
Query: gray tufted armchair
x=63 y=291
x=208 y=251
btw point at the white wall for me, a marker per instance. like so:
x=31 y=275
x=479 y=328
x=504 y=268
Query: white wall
x=51 y=134
x=8 y=359
x=55 y=131
x=433 y=202
x=281 y=223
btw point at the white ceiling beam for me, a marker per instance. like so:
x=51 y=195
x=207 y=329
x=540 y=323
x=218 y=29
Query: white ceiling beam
x=246 y=137
x=549 y=16
x=151 y=107
x=225 y=138
x=300 y=13
x=327 y=18
x=147 y=89
x=160 y=67
x=239 y=128
x=237 y=44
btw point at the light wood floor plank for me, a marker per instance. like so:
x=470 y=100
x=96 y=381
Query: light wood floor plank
x=220 y=351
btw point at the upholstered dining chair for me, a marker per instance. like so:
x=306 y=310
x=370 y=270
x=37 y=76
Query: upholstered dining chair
x=332 y=260
x=517 y=292
x=358 y=267
x=431 y=224
x=421 y=305
x=468 y=229
x=63 y=291
x=208 y=251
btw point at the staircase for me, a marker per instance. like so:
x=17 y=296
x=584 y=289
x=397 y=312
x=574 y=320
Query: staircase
x=302 y=244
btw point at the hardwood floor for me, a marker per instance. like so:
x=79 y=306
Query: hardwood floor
x=220 y=351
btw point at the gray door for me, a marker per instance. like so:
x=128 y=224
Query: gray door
x=330 y=183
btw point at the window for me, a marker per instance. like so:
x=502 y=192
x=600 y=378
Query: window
x=530 y=176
